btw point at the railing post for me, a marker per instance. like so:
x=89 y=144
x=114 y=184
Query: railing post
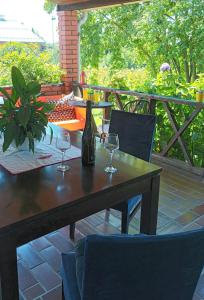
x=77 y=89
x=152 y=106
x=107 y=111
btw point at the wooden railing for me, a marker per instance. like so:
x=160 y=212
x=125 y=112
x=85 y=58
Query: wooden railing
x=149 y=103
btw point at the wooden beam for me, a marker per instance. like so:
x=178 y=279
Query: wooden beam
x=91 y=4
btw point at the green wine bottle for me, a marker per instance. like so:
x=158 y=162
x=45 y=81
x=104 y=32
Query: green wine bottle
x=88 y=139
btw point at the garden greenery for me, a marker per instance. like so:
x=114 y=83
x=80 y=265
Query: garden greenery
x=34 y=62
x=124 y=47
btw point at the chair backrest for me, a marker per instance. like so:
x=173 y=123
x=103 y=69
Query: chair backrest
x=122 y=267
x=135 y=132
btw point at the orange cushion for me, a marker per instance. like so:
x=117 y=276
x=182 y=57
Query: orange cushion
x=71 y=125
x=64 y=115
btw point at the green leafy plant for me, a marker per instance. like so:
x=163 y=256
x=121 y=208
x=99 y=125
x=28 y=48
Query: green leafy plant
x=22 y=115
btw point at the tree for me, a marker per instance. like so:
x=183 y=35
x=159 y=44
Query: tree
x=31 y=60
x=147 y=34
x=175 y=31
x=49 y=6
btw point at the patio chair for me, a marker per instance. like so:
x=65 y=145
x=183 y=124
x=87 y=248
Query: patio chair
x=136 y=133
x=118 y=267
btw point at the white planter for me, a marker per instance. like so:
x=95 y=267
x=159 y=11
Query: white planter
x=25 y=145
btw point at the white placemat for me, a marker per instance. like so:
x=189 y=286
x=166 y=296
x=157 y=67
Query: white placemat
x=16 y=161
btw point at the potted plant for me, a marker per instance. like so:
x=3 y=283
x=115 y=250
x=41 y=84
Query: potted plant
x=23 y=119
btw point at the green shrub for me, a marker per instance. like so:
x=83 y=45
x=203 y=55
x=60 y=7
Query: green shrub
x=166 y=84
x=33 y=62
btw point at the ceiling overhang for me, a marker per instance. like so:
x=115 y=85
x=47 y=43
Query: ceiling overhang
x=63 y=5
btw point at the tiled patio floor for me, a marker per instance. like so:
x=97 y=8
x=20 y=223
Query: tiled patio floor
x=181 y=208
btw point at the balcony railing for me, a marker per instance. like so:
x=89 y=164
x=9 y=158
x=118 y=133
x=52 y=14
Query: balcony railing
x=180 y=124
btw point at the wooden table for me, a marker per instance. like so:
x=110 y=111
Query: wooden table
x=35 y=203
x=100 y=105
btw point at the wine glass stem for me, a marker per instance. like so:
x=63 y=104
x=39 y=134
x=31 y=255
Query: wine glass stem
x=62 y=163
x=111 y=159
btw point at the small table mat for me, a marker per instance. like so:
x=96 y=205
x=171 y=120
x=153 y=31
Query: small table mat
x=19 y=161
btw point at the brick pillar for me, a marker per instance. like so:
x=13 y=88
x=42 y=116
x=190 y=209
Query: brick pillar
x=68 y=45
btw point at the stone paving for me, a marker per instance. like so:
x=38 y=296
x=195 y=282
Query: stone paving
x=181 y=208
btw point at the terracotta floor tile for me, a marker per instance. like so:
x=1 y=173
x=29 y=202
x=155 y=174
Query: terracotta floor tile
x=53 y=257
x=170 y=228
x=191 y=226
x=107 y=228
x=33 y=292
x=46 y=276
x=55 y=294
x=25 y=277
x=169 y=211
x=97 y=220
x=29 y=255
x=62 y=244
x=199 y=209
x=85 y=228
x=108 y=217
x=163 y=220
x=200 y=221
x=187 y=218
x=41 y=243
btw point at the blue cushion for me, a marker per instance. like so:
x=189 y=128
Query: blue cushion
x=143 y=268
x=68 y=273
x=79 y=255
x=119 y=267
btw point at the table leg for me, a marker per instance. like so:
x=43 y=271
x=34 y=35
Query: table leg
x=107 y=113
x=149 y=209
x=8 y=273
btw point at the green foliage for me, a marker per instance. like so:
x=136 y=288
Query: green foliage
x=166 y=84
x=49 y=6
x=147 y=34
x=22 y=116
x=34 y=63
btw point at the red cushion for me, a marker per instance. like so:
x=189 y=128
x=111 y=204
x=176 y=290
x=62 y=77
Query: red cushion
x=62 y=111
x=68 y=114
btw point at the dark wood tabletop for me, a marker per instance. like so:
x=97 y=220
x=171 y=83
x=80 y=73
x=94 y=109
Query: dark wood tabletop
x=37 y=202
x=100 y=104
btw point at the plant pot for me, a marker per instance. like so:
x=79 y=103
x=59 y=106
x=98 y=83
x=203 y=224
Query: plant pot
x=25 y=145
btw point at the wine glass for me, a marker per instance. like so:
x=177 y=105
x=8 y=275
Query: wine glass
x=105 y=126
x=63 y=143
x=111 y=144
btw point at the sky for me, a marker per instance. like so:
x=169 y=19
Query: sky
x=32 y=14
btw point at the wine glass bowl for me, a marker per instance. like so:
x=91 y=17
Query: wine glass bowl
x=111 y=143
x=105 y=126
x=63 y=143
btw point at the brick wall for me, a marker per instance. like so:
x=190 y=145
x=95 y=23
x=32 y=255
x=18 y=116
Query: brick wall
x=68 y=44
x=47 y=89
x=53 y=89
